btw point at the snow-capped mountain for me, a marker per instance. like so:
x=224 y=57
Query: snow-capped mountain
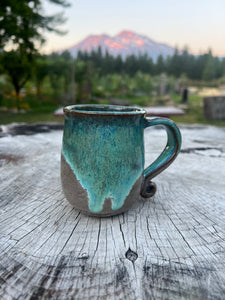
x=124 y=43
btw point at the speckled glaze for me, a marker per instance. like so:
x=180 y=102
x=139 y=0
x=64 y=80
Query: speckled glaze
x=102 y=164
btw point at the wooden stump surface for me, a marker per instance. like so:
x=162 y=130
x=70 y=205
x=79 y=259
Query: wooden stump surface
x=171 y=246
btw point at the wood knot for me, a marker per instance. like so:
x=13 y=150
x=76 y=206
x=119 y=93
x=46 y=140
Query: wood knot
x=131 y=255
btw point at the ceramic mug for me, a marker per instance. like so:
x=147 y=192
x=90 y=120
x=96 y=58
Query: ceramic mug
x=102 y=161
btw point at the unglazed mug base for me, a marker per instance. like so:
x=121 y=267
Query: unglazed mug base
x=78 y=197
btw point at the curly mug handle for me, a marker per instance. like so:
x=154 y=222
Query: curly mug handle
x=167 y=156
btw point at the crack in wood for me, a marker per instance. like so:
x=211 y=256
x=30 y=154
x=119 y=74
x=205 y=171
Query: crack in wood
x=99 y=231
x=121 y=230
x=29 y=129
x=198 y=150
x=178 y=230
x=66 y=242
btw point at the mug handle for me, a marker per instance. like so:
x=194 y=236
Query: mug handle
x=167 y=156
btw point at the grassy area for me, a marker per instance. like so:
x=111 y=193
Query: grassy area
x=193 y=115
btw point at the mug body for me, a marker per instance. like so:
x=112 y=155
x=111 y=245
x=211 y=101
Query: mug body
x=102 y=158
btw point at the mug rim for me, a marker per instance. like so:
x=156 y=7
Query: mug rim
x=103 y=109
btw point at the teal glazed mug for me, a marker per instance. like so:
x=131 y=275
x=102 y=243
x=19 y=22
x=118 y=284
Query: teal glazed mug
x=102 y=161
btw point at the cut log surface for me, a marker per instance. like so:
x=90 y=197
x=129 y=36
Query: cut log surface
x=171 y=246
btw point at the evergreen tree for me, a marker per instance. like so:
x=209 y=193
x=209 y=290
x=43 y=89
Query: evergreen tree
x=118 y=65
x=22 y=24
x=174 y=64
x=18 y=66
x=160 y=65
x=209 y=71
x=130 y=65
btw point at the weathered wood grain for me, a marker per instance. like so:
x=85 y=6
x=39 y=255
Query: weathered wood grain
x=171 y=246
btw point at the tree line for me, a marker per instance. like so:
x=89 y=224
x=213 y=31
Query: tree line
x=94 y=67
x=196 y=67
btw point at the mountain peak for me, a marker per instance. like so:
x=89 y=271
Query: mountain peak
x=126 y=33
x=124 y=43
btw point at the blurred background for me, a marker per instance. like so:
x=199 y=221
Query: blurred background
x=161 y=54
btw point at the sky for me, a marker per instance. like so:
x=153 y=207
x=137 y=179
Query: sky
x=196 y=24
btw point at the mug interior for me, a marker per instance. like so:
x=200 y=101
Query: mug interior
x=103 y=109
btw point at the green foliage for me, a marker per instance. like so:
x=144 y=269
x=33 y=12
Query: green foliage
x=98 y=77
x=22 y=23
x=41 y=71
x=18 y=66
